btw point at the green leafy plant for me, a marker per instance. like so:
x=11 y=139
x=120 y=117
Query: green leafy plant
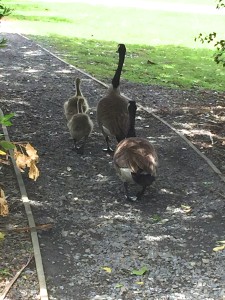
x=4 y=11
x=3 y=42
x=4 y=272
x=4 y=145
x=5 y=120
x=219 y=44
x=156 y=218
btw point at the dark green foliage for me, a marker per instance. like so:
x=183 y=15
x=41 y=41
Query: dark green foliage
x=3 y=42
x=4 y=11
x=4 y=145
x=220 y=4
x=5 y=120
x=219 y=56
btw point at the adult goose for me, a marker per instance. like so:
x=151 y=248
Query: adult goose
x=112 y=109
x=135 y=159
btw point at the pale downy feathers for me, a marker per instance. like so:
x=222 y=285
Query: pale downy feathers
x=79 y=123
x=76 y=103
x=80 y=126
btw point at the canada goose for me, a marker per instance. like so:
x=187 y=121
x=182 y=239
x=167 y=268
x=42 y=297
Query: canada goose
x=112 y=110
x=135 y=159
x=80 y=127
x=71 y=105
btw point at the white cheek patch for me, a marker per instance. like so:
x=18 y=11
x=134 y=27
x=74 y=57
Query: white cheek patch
x=125 y=175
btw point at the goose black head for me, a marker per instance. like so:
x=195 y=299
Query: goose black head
x=121 y=48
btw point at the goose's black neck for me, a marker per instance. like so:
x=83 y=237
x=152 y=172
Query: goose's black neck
x=132 y=107
x=116 y=78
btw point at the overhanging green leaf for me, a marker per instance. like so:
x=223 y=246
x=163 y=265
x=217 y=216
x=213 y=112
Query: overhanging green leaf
x=5 y=120
x=6 y=145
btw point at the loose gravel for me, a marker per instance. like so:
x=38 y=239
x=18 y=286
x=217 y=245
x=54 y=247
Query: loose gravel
x=98 y=239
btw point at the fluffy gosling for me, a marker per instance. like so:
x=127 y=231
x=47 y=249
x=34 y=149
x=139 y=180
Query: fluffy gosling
x=75 y=103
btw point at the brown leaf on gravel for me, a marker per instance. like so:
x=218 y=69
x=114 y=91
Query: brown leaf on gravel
x=31 y=152
x=33 y=172
x=26 y=157
x=21 y=160
x=4 y=210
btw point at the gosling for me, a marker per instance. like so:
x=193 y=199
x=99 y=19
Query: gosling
x=71 y=106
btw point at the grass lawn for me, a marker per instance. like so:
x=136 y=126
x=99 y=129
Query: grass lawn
x=87 y=36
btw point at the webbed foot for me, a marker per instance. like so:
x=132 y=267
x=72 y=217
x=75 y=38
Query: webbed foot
x=80 y=150
x=108 y=150
x=131 y=198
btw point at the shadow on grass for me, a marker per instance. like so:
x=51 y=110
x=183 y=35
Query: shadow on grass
x=37 y=18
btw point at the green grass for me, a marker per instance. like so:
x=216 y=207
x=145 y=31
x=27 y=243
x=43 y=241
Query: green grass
x=87 y=36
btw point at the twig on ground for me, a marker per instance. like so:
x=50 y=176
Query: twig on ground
x=27 y=228
x=10 y=284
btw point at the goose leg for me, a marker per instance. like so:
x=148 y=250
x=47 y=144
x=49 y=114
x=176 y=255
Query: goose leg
x=140 y=194
x=128 y=198
x=126 y=190
x=75 y=144
x=108 y=150
x=80 y=150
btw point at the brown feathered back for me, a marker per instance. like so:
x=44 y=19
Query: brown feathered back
x=112 y=114
x=137 y=154
x=112 y=110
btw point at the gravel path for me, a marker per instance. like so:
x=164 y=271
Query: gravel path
x=93 y=226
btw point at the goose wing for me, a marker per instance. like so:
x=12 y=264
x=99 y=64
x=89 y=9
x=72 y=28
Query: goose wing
x=137 y=154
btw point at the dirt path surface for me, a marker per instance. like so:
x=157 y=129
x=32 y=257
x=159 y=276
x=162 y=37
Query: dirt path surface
x=171 y=232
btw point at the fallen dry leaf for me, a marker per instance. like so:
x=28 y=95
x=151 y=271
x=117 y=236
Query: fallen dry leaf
x=119 y=285
x=31 y=152
x=33 y=172
x=27 y=159
x=2 y=152
x=21 y=160
x=139 y=282
x=219 y=247
x=186 y=208
x=4 y=210
x=2 y=235
x=107 y=269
